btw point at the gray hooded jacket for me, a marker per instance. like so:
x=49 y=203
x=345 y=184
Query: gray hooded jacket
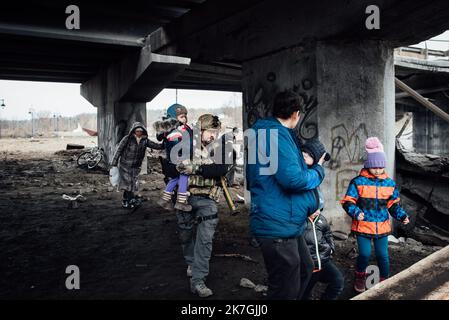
x=129 y=153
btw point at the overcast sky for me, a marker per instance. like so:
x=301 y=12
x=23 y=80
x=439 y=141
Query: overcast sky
x=64 y=99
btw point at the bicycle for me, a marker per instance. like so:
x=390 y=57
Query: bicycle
x=91 y=158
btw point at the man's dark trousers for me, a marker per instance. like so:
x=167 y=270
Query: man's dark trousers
x=289 y=267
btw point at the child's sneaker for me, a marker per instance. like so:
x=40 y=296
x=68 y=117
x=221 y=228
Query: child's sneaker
x=165 y=201
x=360 y=281
x=134 y=203
x=202 y=291
x=125 y=204
x=182 y=202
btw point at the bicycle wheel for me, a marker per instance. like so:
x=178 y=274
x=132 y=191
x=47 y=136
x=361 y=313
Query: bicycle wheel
x=94 y=160
x=83 y=159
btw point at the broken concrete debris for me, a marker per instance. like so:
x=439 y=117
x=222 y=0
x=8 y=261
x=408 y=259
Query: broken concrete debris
x=246 y=283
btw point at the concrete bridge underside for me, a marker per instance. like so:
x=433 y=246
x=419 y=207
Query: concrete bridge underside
x=124 y=54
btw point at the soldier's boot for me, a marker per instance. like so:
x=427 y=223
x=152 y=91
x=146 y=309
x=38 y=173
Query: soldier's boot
x=182 y=202
x=165 y=201
x=201 y=290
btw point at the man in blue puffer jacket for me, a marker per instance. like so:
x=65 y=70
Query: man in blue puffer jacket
x=282 y=196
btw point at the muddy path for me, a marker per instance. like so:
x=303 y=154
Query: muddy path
x=121 y=255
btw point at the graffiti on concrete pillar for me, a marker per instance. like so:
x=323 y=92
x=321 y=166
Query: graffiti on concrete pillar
x=121 y=130
x=347 y=147
x=262 y=102
x=342 y=181
x=261 y=106
x=308 y=128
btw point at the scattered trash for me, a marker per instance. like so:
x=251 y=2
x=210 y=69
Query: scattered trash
x=114 y=176
x=393 y=239
x=77 y=198
x=90 y=132
x=261 y=288
x=246 y=283
x=236 y=255
x=72 y=146
x=73 y=201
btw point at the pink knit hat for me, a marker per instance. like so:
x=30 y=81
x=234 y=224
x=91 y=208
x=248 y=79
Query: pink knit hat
x=375 y=152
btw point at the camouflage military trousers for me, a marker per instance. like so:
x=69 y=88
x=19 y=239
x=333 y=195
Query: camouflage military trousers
x=196 y=236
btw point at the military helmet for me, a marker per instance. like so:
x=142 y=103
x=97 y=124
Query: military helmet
x=209 y=121
x=175 y=110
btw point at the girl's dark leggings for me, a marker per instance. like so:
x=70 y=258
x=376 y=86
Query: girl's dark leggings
x=381 y=249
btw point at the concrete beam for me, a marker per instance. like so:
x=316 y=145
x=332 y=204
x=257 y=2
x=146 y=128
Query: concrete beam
x=244 y=30
x=154 y=73
x=210 y=77
x=64 y=34
x=137 y=78
x=413 y=64
x=427 y=279
x=423 y=101
x=423 y=91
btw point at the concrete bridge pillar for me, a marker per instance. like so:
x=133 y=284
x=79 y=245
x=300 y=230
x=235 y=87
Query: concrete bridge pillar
x=356 y=100
x=121 y=90
x=114 y=120
x=348 y=89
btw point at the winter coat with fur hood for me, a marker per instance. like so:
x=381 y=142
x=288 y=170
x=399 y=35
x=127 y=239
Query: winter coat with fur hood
x=170 y=132
x=129 y=155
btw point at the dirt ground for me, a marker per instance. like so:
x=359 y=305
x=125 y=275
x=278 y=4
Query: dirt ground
x=121 y=255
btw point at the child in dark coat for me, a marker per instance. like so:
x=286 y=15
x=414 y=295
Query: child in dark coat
x=319 y=238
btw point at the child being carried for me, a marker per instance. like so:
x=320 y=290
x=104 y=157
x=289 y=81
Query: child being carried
x=171 y=131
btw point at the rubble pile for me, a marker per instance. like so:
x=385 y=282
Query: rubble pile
x=424 y=183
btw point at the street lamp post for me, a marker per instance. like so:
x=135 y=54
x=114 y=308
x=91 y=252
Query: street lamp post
x=32 y=122
x=2 y=106
x=57 y=123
